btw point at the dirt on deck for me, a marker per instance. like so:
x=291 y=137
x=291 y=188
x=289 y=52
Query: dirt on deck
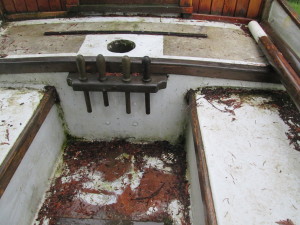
x=233 y=98
x=119 y=181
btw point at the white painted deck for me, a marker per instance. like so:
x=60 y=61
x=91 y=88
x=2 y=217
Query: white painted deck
x=254 y=171
x=226 y=43
x=16 y=108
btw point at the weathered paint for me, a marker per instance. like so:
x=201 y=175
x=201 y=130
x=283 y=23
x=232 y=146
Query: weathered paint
x=256 y=30
x=149 y=45
x=21 y=199
x=119 y=180
x=127 y=19
x=197 y=210
x=17 y=108
x=168 y=108
x=253 y=166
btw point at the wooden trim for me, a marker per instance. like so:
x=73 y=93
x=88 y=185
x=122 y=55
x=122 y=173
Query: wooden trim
x=9 y=6
x=207 y=198
x=19 y=149
x=43 y=5
x=20 y=5
x=290 y=55
x=195 y=6
x=241 y=8
x=64 y=5
x=145 y=2
x=186 y=3
x=71 y=3
x=158 y=66
x=1 y=11
x=35 y=15
x=265 y=11
x=143 y=9
x=229 y=7
x=290 y=11
x=227 y=19
x=32 y=6
x=288 y=76
x=55 y=5
x=217 y=7
x=253 y=10
x=205 y=6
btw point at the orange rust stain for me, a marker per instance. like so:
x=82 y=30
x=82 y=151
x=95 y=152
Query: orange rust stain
x=155 y=191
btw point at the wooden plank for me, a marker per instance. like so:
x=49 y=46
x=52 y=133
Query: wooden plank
x=147 y=2
x=288 y=53
x=43 y=5
x=196 y=6
x=55 y=5
x=9 y=6
x=32 y=5
x=19 y=149
x=288 y=76
x=158 y=66
x=36 y=15
x=1 y=11
x=254 y=8
x=20 y=5
x=71 y=3
x=206 y=193
x=121 y=8
x=63 y=4
x=205 y=6
x=241 y=8
x=227 y=19
x=217 y=7
x=186 y=3
x=229 y=7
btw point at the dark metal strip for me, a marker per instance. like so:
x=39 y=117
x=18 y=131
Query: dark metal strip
x=88 y=32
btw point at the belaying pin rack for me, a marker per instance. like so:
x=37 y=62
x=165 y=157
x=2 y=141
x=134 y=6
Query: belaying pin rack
x=105 y=81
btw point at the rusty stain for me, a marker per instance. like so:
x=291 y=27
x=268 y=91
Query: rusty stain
x=4 y=143
x=147 y=193
x=285 y=222
x=7 y=134
x=233 y=98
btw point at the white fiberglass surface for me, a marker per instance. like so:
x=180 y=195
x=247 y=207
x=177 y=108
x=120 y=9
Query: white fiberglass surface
x=252 y=161
x=17 y=107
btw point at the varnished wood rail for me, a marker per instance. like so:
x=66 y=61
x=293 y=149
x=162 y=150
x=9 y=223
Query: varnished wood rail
x=206 y=193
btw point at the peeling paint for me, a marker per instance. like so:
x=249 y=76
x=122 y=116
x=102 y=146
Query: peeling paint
x=17 y=107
